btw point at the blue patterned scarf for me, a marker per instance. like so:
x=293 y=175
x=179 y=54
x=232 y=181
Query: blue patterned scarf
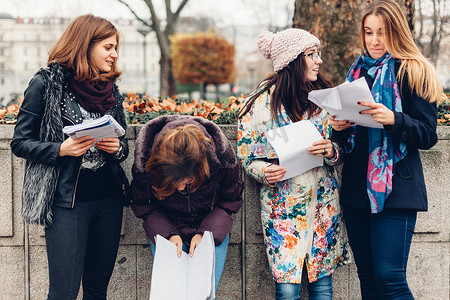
x=382 y=155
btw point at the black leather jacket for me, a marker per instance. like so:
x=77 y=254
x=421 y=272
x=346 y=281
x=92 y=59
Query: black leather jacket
x=26 y=143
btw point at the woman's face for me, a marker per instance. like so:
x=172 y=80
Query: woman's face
x=104 y=54
x=313 y=61
x=182 y=185
x=374 y=36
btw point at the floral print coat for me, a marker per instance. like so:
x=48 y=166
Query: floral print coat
x=301 y=217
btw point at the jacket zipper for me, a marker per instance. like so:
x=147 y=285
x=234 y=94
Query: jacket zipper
x=79 y=168
x=213 y=201
x=76 y=183
x=188 y=196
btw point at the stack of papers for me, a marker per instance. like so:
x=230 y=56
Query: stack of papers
x=99 y=129
x=291 y=144
x=185 y=277
x=342 y=101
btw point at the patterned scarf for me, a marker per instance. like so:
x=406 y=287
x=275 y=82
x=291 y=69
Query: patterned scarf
x=382 y=155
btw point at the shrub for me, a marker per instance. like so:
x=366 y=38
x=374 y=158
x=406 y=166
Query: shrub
x=140 y=110
x=444 y=112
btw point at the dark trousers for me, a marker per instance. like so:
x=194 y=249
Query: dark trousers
x=82 y=244
x=380 y=244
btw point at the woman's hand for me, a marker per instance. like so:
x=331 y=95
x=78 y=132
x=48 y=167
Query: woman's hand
x=176 y=239
x=196 y=239
x=110 y=145
x=339 y=125
x=274 y=173
x=322 y=147
x=76 y=147
x=379 y=113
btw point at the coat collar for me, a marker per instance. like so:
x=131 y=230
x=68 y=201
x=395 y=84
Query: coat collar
x=220 y=153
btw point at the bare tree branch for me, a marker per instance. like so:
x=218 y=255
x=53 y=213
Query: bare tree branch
x=168 y=10
x=155 y=20
x=167 y=83
x=180 y=7
x=135 y=14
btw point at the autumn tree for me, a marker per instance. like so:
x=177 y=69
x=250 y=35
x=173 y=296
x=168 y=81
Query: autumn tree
x=336 y=24
x=163 y=28
x=202 y=58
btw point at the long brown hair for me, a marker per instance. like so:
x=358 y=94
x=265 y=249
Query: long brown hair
x=74 y=47
x=178 y=154
x=291 y=90
x=421 y=74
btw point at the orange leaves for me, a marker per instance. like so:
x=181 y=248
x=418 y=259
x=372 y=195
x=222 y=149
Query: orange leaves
x=202 y=58
x=8 y=115
x=444 y=112
x=201 y=108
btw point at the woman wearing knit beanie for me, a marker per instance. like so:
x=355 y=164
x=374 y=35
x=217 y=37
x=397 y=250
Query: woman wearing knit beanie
x=301 y=217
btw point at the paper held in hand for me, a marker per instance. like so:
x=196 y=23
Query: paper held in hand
x=185 y=277
x=291 y=144
x=342 y=101
x=99 y=129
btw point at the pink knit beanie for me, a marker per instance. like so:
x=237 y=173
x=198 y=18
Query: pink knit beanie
x=284 y=46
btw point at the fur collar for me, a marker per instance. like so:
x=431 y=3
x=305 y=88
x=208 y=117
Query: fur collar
x=220 y=154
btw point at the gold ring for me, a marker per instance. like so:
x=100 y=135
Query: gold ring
x=324 y=152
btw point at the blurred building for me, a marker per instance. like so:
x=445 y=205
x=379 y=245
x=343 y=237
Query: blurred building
x=24 y=45
x=25 y=42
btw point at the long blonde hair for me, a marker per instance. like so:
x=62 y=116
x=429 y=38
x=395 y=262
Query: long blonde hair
x=421 y=74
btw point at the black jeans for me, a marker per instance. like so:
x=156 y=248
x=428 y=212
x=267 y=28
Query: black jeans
x=380 y=244
x=82 y=244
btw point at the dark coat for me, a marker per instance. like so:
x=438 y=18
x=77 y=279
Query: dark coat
x=38 y=140
x=416 y=127
x=209 y=208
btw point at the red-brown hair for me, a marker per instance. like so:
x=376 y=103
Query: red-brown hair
x=178 y=154
x=74 y=47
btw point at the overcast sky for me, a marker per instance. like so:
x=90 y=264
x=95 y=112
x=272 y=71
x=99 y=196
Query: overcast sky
x=225 y=12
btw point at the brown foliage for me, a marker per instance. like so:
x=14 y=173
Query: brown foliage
x=205 y=109
x=202 y=58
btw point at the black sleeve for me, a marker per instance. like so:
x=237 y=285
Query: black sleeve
x=416 y=125
x=25 y=142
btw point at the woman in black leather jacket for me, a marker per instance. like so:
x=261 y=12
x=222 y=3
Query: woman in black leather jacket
x=75 y=187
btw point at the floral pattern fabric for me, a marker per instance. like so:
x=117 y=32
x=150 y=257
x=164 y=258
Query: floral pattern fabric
x=301 y=218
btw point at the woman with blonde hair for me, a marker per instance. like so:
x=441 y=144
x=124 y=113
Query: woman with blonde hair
x=186 y=180
x=382 y=179
x=75 y=187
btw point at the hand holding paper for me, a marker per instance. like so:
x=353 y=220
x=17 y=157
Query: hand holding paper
x=274 y=173
x=100 y=128
x=379 y=113
x=342 y=101
x=291 y=144
x=183 y=277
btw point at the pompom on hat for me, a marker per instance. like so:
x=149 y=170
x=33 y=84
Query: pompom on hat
x=284 y=46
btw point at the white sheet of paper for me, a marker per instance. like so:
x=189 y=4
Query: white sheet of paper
x=99 y=129
x=184 y=278
x=169 y=272
x=341 y=101
x=200 y=267
x=291 y=144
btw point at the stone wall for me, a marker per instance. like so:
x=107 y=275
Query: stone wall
x=23 y=266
